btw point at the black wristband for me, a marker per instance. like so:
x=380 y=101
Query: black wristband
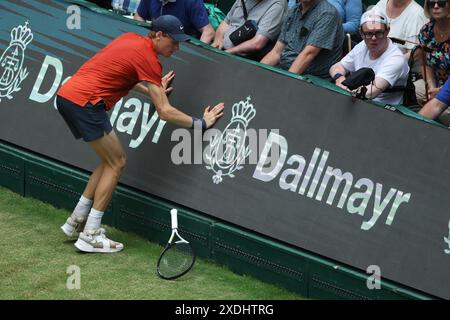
x=337 y=76
x=203 y=123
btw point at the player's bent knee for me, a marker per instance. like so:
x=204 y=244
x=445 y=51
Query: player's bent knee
x=116 y=163
x=120 y=162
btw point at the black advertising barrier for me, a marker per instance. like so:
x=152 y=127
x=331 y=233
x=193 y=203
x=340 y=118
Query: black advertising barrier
x=353 y=182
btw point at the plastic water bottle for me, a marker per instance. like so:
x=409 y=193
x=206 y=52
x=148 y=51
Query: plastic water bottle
x=117 y=6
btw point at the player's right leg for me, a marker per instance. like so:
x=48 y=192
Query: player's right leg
x=91 y=123
x=93 y=238
x=76 y=221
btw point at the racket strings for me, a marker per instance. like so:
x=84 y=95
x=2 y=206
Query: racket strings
x=176 y=260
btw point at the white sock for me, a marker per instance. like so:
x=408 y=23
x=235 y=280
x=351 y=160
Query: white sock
x=81 y=210
x=94 y=220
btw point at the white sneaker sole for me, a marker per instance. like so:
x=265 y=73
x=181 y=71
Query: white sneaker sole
x=86 y=247
x=69 y=230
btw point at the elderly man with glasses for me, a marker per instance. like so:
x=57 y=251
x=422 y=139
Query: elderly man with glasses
x=378 y=53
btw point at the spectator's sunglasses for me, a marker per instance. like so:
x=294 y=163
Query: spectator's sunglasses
x=369 y=35
x=440 y=3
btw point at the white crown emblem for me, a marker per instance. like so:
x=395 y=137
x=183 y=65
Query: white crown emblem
x=11 y=61
x=21 y=36
x=233 y=139
x=243 y=112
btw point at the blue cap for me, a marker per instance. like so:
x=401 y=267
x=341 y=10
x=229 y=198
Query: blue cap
x=172 y=26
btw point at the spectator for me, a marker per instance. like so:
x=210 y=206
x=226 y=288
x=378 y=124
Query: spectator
x=441 y=102
x=192 y=14
x=350 y=12
x=268 y=14
x=436 y=36
x=310 y=41
x=406 y=18
x=379 y=53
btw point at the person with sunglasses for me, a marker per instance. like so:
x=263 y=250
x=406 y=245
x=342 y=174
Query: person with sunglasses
x=378 y=53
x=436 y=36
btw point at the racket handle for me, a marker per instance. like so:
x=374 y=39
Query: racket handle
x=173 y=214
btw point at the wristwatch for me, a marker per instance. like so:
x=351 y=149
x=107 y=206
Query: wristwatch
x=337 y=76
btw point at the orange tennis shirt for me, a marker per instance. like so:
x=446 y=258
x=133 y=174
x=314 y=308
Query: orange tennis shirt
x=111 y=73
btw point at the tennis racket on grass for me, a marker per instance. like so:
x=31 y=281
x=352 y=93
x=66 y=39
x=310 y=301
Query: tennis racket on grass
x=177 y=257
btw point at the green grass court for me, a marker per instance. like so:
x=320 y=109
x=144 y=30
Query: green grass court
x=35 y=256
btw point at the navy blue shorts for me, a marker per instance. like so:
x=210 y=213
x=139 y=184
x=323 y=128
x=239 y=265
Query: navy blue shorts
x=88 y=122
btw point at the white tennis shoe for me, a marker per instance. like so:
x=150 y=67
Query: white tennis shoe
x=73 y=227
x=96 y=241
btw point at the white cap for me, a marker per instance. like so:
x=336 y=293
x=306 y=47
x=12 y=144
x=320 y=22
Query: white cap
x=374 y=15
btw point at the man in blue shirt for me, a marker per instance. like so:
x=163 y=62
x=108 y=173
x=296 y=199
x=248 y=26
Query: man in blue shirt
x=191 y=13
x=350 y=12
x=435 y=106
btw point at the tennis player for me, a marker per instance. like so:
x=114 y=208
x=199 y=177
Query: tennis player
x=128 y=62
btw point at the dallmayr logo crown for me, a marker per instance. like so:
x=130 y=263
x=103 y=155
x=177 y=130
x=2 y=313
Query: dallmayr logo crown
x=21 y=36
x=11 y=61
x=233 y=140
x=243 y=112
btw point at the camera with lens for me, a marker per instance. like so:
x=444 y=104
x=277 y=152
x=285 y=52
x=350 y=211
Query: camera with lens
x=359 y=80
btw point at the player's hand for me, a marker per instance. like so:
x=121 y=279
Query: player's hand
x=166 y=82
x=211 y=115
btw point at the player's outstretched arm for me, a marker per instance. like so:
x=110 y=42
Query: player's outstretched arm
x=171 y=114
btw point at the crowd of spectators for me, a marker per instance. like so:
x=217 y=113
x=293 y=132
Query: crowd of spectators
x=311 y=37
